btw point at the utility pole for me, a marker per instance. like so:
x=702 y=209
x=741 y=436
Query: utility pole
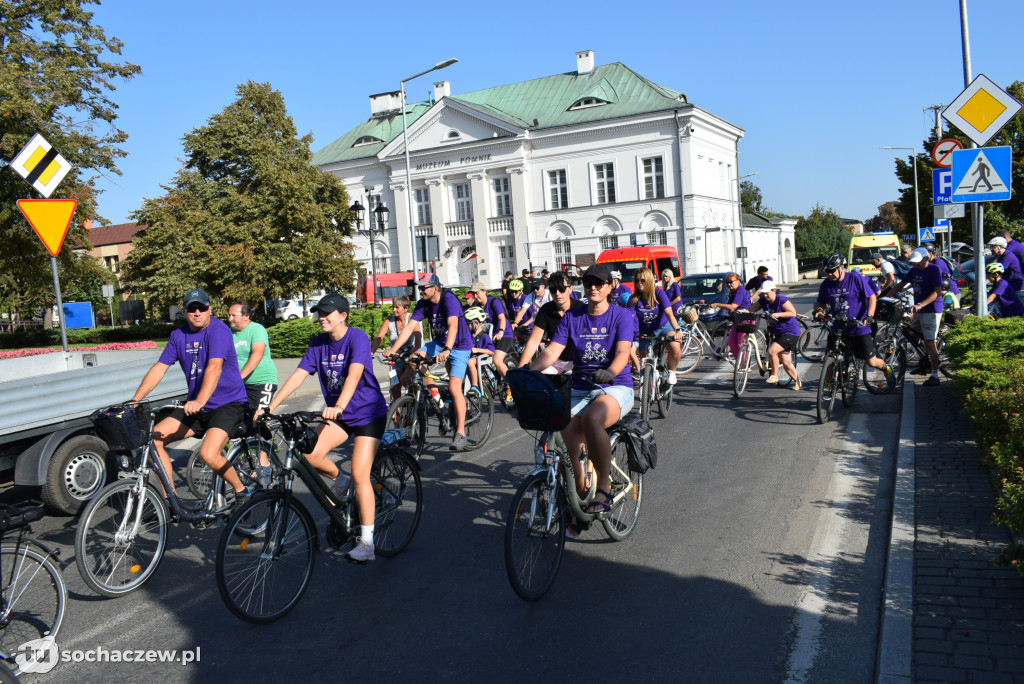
x=936 y=109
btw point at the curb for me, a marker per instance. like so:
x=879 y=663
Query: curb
x=895 y=648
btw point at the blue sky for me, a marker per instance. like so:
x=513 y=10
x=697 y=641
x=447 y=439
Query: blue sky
x=817 y=86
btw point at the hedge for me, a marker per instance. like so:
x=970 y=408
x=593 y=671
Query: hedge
x=290 y=339
x=43 y=338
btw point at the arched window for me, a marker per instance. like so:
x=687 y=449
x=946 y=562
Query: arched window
x=586 y=102
x=366 y=140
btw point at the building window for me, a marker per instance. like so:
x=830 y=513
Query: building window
x=604 y=180
x=609 y=242
x=112 y=264
x=659 y=237
x=563 y=253
x=463 y=202
x=422 y=197
x=585 y=102
x=654 y=178
x=508 y=258
x=366 y=140
x=558 y=189
x=502 y=198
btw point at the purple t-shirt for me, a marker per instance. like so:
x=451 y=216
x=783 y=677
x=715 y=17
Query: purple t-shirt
x=781 y=326
x=741 y=297
x=944 y=269
x=493 y=309
x=193 y=350
x=925 y=281
x=1015 y=248
x=331 y=361
x=1006 y=298
x=438 y=314
x=1012 y=270
x=483 y=341
x=616 y=295
x=654 y=317
x=673 y=291
x=848 y=297
x=595 y=338
x=512 y=306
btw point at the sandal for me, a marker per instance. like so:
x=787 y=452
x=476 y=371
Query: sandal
x=576 y=528
x=597 y=507
x=772 y=379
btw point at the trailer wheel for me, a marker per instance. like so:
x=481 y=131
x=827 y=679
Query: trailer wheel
x=77 y=471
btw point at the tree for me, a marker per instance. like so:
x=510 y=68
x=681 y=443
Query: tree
x=54 y=81
x=821 y=233
x=887 y=218
x=750 y=197
x=248 y=216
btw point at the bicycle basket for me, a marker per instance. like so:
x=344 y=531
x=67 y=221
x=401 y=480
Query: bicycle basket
x=888 y=310
x=689 y=315
x=744 y=322
x=542 y=401
x=122 y=427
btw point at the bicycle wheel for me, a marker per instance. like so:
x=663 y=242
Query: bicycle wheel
x=851 y=380
x=479 y=419
x=627 y=490
x=828 y=385
x=664 y=393
x=814 y=343
x=692 y=352
x=741 y=370
x=405 y=413
x=535 y=536
x=262 y=576
x=646 y=390
x=35 y=598
x=399 y=495
x=243 y=456
x=719 y=336
x=113 y=559
x=875 y=380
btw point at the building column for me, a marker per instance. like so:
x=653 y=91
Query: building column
x=520 y=217
x=685 y=171
x=403 y=223
x=438 y=217
x=479 y=189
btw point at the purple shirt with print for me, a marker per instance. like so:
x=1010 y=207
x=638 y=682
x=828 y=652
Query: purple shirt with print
x=654 y=317
x=332 y=360
x=493 y=309
x=924 y=281
x=848 y=297
x=193 y=351
x=437 y=315
x=595 y=338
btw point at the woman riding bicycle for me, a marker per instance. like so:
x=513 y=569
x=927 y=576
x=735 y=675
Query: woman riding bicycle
x=355 y=407
x=393 y=326
x=655 y=316
x=547 y=321
x=784 y=328
x=602 y=337
x=738 y=299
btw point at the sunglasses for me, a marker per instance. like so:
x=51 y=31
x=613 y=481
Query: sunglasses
x=594 y=283
x=559 y=288
x=639 y=280
x=192 y=308
x=830 y=271
x=424 y=288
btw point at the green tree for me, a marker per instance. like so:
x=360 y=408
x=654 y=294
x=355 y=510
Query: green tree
x=821 y=233
x=750 y=197
x=888 y=218
x=54 y=80
x=248 y=216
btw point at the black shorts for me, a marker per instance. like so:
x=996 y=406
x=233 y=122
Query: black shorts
x=260 y=395
x=861 y=346
x=373 y=429
x=504 y=344
x=787 y=342
x=227 y=418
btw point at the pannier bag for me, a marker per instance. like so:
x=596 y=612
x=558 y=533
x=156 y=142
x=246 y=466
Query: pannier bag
x=641 y=444
x=121 y=427
x=542 y=401
x=744 y=322
x=888 y=310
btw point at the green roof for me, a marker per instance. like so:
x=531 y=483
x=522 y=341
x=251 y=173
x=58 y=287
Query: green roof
x=546 y=101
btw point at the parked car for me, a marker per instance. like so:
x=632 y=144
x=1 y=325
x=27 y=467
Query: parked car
x=289 y=309
x=707 y=286
x=961 y=251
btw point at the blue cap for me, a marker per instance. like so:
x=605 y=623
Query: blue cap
x=193 y=296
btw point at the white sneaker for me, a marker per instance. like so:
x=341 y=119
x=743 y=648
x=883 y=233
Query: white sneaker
x=670 y=377
x=362 y=552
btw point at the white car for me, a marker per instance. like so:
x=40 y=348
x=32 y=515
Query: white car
x=289 y=309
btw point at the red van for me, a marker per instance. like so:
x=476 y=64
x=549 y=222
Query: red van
x=629 y=260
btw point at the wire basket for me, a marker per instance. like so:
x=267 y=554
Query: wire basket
x=690 y=315
x=542 y=401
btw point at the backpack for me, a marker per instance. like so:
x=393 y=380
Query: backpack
x=640 y=442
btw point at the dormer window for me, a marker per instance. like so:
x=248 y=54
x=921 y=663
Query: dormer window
x=367 y=140
x=586 y=102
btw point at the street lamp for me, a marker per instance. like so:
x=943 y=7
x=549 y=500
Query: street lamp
x=408 y=168
x=917 y=208
x=382 y=223
x=743 y=230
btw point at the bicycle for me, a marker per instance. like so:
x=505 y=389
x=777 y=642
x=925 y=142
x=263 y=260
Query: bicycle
x=840 y=371
x=889 y=346
x=813 y=338
x=265 y=555
x=544 y=504
x=755 y=351
x=698 y=338
x=243 y=453
x=33 y=595
x=409 y=412
x=654 y=386
x=122 y=533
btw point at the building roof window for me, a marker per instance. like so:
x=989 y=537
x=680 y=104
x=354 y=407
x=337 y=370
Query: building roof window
x=586 y=102
x=367 y=140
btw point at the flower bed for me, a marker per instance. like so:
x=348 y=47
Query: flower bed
x=18 y=353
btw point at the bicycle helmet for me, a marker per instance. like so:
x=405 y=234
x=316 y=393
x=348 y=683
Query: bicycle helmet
x=833 y=261
x=475 y=313
x=947 y=281
x=995 y=267
x=516 y=285
x=625 y=297
x=617 y=275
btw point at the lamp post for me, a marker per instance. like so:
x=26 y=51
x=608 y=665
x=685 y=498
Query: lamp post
x=408 y=168
x=381 y=213
x=917 y=208
x=743 y=231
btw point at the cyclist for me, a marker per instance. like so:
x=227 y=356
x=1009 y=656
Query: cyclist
x=392 y=327
x=602 y=336
x=1013 y=246
x=739 y=299
x=451 y=344
x=888 y=270
x=216 y=394
x=753 y=286
x=252 y=346
x=655 y=316
x=851 y=294
x=514 y=302
x=620 y=293
x=784 y=328
x=546 y=323
x=1011 y=266
x=671 y=287
x=533 y=302
x=482 y=344
x=926 y=280
x=341 y=358
x=501 y=325
x=1000 y=293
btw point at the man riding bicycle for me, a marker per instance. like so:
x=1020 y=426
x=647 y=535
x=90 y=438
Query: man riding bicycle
x=252 y=346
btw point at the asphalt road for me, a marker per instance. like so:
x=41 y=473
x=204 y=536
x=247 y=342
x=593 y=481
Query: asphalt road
x=759 y=557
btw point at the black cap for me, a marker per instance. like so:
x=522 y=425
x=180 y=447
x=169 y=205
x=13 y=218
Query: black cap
x=331 y=302
x=598 y=271
x=193 y=296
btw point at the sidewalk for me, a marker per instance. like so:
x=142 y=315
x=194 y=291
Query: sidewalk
x=967 y=620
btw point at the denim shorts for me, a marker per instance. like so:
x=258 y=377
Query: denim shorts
x=623 y=396
x=458 y=359
x=663 y=330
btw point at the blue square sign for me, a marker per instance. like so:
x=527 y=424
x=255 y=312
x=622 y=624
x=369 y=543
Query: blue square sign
x=942 y=186
x=982 y=174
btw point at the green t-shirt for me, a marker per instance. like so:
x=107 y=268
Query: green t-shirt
x=266 y=372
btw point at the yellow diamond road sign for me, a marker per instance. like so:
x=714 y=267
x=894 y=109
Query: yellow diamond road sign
x=981 y=110
x=40 y=165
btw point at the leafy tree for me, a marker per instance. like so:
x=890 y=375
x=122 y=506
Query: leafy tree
x=887 y=218
x=54 y=80
x=821 y=233
x=248 y=216
x=750 y=197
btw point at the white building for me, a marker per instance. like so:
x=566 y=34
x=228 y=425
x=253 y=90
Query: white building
x=550 y=171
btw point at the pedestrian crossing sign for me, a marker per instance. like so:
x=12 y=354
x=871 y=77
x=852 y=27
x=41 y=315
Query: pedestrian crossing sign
x=982 y=174
x=927 y=235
